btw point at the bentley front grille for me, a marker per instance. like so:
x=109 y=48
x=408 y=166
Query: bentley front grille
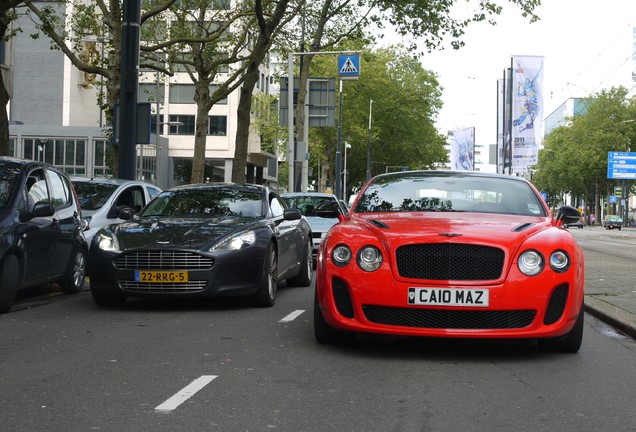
x=448 y=319
x=163 y=260
x=450 y=261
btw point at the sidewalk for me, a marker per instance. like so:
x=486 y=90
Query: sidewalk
x=618 y=309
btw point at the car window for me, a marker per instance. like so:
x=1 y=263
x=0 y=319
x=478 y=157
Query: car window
x=60 y=190
x=278 y=206
x=8 y=180
x=152 y=192
x=207 y=202
x=36 y=188
x=131 y=197
x=307 y=204
x=443 y=193
x=93 y=195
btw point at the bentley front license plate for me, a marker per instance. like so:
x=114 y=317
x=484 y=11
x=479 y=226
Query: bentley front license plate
x=448 y=297
x=161 y=276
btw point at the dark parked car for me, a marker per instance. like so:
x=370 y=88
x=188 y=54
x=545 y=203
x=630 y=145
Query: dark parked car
x=41 y=238
x=207 y=240
x=612 y=221
x=102 y=199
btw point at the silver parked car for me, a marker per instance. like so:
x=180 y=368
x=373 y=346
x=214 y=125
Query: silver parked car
x=307 y=203
x=101 y=200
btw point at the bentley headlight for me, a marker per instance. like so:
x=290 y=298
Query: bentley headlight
x=531 y=263
x=341 y=255
x=107 y=241
x=369 y=258
x=236 y=242
x=559 y=261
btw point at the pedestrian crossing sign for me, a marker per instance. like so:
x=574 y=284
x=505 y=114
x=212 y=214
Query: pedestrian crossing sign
x=349 y=66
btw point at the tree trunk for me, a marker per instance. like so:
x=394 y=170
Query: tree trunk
x=4 y=102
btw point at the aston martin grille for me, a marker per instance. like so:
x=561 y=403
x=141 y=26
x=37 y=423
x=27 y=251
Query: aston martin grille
x=191 y=286
x=449 y=261
x=450 y=319
x=163 y=260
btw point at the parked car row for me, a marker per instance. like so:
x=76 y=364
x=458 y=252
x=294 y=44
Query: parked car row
x=193 y=241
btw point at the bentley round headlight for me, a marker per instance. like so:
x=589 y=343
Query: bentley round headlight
x=531 y=263
x=369 y=258
x=341 y=255
x=559 y=261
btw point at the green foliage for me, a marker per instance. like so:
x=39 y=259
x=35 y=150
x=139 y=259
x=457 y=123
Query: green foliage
x=406 y=99
x=574 y=159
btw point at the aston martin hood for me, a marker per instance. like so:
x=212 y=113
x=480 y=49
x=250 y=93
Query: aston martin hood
x=187 y=233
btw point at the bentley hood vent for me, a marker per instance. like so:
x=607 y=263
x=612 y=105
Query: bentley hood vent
x=379 y=224
x=522 y=227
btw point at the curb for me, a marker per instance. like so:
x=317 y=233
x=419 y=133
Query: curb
x=612 y=315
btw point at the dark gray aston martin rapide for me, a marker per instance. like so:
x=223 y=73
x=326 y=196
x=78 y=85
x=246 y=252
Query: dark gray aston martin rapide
x=207 y=240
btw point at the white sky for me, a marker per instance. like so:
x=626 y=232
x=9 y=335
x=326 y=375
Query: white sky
x=587 y=46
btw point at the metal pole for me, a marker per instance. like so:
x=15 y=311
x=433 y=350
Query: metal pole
x=129 y=84
x=338 y=156
x=290 y=121
x=344 y=172
x=369 y=143
x=158 y=154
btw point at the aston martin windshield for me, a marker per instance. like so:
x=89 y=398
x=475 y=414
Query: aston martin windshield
x=207 y=201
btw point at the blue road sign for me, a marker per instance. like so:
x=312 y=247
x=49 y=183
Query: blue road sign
x=349 y=66
x=621 y=165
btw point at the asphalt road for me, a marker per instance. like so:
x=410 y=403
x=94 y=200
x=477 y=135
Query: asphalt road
x=67 y=365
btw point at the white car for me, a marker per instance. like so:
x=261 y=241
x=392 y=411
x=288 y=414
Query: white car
x=307 y=202
x=101 y=200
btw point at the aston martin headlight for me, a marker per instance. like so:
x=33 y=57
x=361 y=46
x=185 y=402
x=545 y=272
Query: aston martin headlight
x=107 y=241
x=369 y=258
x=341 y=255
x=531 y=263
x=559 y=261
x=236 y=242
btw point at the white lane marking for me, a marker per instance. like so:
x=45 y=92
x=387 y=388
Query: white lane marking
x=186 y=393
x=292 y=316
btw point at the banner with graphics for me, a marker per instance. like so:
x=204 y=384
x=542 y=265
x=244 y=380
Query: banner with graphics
x=462 y=150
x=527 y=111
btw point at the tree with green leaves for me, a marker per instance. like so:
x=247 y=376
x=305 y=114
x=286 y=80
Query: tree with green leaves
x=406 y=100
x=575 y=157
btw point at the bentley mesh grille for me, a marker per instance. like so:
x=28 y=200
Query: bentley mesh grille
x=163 y=260
x=556 y=306
x=449 y=261
x=191 y=286
x=448 y=319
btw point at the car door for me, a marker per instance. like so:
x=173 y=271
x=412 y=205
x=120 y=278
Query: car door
x=39 y=234
x=286 y=234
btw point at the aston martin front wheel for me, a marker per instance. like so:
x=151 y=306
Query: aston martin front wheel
x=265 y=296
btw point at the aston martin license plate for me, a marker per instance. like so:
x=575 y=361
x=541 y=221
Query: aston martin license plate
x=448 y=297
x=161 y=276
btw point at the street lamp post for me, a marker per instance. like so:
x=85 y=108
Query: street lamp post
x=368 y=177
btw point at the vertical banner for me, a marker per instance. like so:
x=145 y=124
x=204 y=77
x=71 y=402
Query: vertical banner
x=507 y=121
x=500 y=124
x=527 y=111
x=462 y=150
